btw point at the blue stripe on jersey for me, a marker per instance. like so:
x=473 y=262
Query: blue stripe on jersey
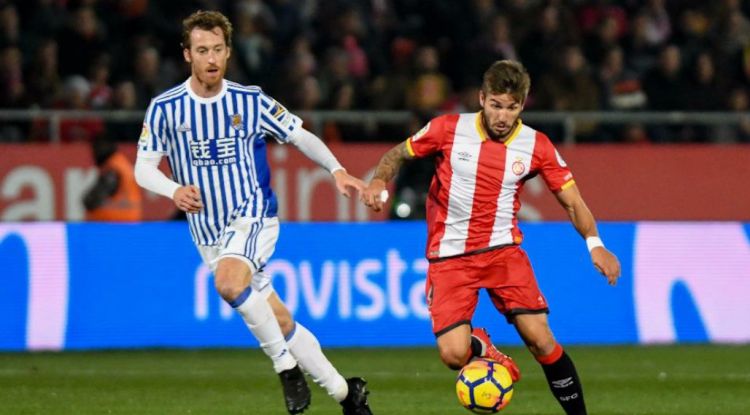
x=199 y=217
x=281 y=133
x=220 y=169
x=228 y=170
x=264 y=177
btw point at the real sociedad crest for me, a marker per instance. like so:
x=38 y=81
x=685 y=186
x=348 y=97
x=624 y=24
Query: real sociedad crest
x=237 y=122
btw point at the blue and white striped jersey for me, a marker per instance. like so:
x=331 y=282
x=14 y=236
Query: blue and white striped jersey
x=218 y=144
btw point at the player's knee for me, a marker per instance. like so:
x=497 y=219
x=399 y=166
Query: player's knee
x=453 y=357
x=541 y=346
x=227 y=285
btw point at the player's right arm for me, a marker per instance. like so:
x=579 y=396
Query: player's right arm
x=386 y=170
x=151 y=148
x=426 y=141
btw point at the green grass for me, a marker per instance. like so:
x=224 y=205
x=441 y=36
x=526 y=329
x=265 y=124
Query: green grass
x=617 y=380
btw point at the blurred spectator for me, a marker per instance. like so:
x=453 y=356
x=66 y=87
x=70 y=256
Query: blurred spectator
x=493 y=45
x=665 y=85
x=544 y=42
x=252 y=48
x=150 y=76
x=124 y=98
x=428 y=88
x=44 y=78
x=657 y=21
x=11 y=78
x=621 y=89
x=388 y=91
x=76 y=92
x=114 y=197
x=101 y=93
x=640 y=51
x=10 y=31
x=738 y=102
x=572 y=87
x=81 y=42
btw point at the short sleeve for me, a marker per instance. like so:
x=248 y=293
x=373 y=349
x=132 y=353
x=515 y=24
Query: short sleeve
x=275 y=120
x=428 y=140
x=153 y=135
x=551 y=165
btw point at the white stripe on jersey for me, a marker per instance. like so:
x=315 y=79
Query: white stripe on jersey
x=218 y=145
x=464 y=162
x=520 y=150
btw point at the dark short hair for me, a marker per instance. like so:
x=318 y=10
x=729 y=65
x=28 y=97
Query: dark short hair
x=507 y=77
x=206 y=20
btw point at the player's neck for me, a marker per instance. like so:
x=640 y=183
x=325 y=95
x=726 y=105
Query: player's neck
x=494 y=137
x=203 y=89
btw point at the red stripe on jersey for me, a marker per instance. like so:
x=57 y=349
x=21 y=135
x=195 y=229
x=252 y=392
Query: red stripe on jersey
x=489 y=183
x=436 y=207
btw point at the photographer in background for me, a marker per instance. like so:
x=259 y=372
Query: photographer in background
x=115 y=197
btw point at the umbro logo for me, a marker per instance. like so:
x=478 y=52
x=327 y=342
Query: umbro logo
x=464 y=156
x=562 y=383
x=183 y=128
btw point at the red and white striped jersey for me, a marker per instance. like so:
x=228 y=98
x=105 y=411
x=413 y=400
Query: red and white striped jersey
x=474 y=195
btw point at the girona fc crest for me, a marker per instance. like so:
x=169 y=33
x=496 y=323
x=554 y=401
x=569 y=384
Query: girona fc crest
x=518 y=167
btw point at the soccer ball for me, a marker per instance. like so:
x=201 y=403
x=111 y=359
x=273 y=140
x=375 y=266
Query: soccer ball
x=484 y=386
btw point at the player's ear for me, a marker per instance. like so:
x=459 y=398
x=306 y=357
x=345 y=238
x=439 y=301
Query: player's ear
x=186 y=55
x=481 y=98
x=229 y=52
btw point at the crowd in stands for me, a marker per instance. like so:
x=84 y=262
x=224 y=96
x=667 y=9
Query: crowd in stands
x=420 y=55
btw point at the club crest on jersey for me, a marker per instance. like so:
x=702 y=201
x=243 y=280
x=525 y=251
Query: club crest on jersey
x=235 y=120
x=518 y=167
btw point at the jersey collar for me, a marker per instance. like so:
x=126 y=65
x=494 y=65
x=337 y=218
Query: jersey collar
x=209 y=100
x=483 y=133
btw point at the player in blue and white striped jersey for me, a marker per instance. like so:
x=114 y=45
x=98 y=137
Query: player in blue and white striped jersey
x=213 y=133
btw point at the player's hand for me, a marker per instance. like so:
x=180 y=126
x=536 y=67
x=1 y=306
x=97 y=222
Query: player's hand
x=606 y=263
x=371 y=196
x=347 y=184
x=188 y=199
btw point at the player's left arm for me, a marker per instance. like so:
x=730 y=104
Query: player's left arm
x=312 y=147
x=583 y=220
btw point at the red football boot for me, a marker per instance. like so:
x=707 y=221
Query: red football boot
x=490 y=351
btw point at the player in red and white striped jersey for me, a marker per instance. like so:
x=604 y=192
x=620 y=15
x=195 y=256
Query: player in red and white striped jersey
x=483 y=160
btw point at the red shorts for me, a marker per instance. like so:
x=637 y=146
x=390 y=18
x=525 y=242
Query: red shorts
x=453 y=286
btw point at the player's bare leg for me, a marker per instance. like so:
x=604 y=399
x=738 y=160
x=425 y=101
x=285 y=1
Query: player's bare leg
x=459 y=345
x=454 y=346
x=350 y=393
x=232 y=279
x=558 y=367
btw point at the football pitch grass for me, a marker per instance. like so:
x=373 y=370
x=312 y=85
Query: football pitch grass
x=692 y=379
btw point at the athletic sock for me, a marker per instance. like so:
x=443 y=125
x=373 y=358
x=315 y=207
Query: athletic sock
x=259 y=318
x=306 y=349
x=563 y=381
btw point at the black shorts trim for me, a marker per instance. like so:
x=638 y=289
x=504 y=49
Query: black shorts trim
x=516 y=311
x=452 y=326
x=474 y=252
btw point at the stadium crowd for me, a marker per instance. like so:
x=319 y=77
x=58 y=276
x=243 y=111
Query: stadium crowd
x=419 y=55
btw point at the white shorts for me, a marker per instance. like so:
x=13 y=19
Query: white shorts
x=251 y=240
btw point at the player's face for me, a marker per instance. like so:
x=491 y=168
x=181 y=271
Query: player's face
x=499 y=113
x=208 y=55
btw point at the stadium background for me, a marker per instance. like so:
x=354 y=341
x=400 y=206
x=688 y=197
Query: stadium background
x=646 y=100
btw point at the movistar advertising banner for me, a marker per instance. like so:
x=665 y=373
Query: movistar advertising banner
x=83 y=286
